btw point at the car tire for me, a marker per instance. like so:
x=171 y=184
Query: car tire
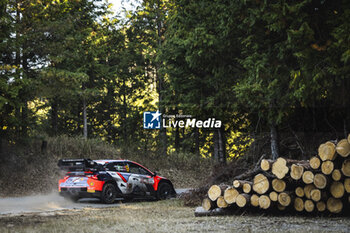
x=164 y=191
x=109 y=193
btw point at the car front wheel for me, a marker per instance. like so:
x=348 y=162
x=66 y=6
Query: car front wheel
x=165 y=191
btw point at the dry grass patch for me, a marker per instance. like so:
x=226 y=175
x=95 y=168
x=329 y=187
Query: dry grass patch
x=163 y=216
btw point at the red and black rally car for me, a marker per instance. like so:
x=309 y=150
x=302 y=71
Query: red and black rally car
x=109 y=179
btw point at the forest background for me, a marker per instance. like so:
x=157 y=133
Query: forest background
x=276 y=73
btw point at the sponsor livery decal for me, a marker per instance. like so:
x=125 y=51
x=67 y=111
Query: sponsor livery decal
x=124 y=176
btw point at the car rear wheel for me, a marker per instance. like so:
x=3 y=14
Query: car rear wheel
x=109 y=193
x=165 y=191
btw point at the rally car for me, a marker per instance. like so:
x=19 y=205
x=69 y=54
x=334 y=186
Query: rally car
x=109 y=179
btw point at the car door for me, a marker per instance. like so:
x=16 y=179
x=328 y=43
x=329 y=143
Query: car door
x=141 y=179
x=120 y=173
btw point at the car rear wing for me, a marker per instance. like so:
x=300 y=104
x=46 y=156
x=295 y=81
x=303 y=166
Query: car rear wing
x=77 y=164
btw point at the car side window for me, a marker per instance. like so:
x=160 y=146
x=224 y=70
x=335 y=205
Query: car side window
x=117 y=167
x=136 y=169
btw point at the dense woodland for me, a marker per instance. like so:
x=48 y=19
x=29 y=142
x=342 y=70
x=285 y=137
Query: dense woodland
x=267 y=69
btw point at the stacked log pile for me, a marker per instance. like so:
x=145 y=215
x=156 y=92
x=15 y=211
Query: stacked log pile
x=319 y=185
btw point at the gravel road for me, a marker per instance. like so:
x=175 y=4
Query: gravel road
x=51 y=202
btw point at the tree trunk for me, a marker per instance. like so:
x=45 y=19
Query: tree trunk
x=196 y=145
x=219 y=146
x=345 y=128
x=24 y=117
x=274 y=142
x=160 y=27
x=1 y=143
x=54 y=117
x=216 y=146
x=85 y=129
x=18 y=63
x=124 y=113
x=177 y=139
x=222 y=146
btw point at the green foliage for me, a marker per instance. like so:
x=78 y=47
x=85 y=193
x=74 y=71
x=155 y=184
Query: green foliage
x=252 y=64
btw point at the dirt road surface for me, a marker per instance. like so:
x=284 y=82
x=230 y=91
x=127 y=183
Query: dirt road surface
x=49 y=213
x=51 y=202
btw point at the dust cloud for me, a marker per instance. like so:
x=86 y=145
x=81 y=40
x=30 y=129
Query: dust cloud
x=35 y=203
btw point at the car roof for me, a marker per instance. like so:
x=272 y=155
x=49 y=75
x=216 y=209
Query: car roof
x=105 y=161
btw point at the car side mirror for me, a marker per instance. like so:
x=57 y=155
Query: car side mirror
x=155 y=173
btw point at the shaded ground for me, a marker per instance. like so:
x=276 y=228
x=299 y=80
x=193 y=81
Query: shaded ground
x=162 y=216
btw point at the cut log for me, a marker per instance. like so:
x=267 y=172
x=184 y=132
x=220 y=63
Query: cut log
x=320 y=181
x=326 y=151
x=309 y=206
x=273 y=196
x=321 y=206
x=239 y=183
x=247 y=187
x=215 y=191
x=208 y=204
x=298 y=204
x=261 y=184
x=327 y=167
x=347 y=185
x=278 y=185
x=337 y=189
x=243 y=199
x=307 y=190
x=254 y=200
x=334 y=205
x=308 y=177
x=221 y=203
x=336 y=175
x=264 y=202
x=315 y=162
x=280 y=168
x=230 y=195
x=346 y=168
x=266 y=164
x=317 y=195
x=299 y=191
x=296 y=171
x=284 y=199
x=343 y=148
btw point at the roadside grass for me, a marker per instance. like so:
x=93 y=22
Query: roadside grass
x=162 y=216
x=27 y=169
